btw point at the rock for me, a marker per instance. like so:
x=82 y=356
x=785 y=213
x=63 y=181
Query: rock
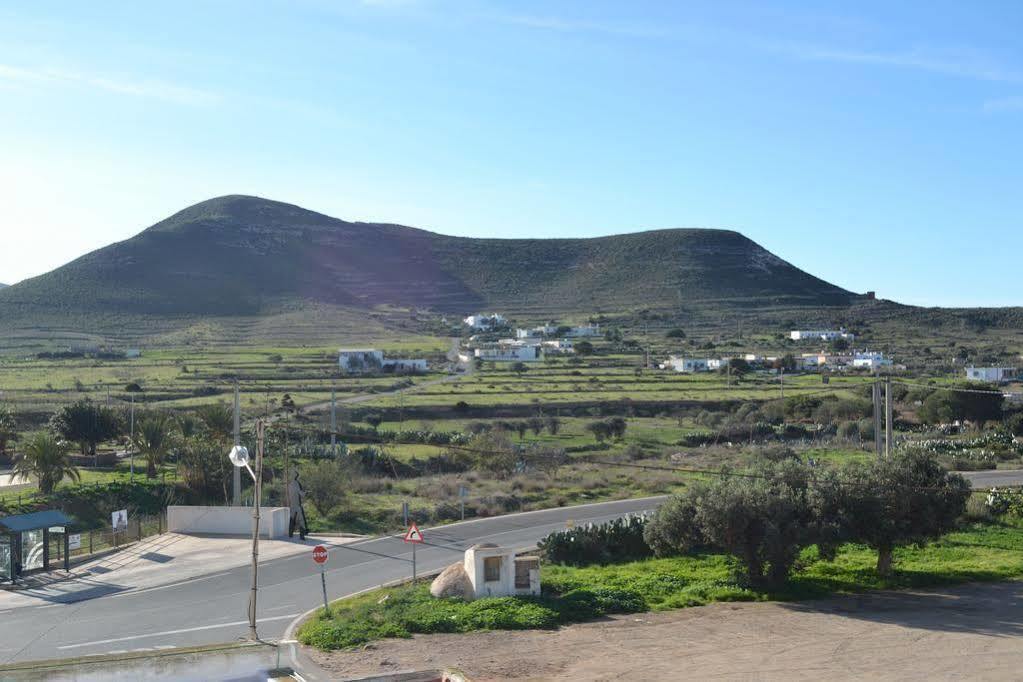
x=452 y=582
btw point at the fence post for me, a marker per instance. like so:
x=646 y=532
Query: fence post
x=90 y=542
x=138 y=520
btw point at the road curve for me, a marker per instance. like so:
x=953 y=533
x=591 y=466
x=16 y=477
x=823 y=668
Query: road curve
x=212 y=609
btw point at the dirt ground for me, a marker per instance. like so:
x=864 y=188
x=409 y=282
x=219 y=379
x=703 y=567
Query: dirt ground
x=970 y=632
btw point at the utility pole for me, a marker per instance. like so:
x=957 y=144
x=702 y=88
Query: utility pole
x=236 y=480
x=131 y=441
x=888 y=418
x=877 y=418
x=333 y=422
x=255 y=528
x=287 y=465
x=783 y=383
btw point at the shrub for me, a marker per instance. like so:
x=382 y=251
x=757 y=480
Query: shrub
x=617 y=540
x=324 y=484
x=673 y=528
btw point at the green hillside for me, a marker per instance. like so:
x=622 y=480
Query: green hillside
x=241 y=256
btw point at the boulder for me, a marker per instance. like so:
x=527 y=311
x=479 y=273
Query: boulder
x=452 y=582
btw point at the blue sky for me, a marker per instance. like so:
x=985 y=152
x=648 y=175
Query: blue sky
x=876 y=145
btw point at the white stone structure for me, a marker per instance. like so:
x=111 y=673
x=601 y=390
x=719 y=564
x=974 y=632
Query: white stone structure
x=369 y=360
x=496 y=572
x=992 y=374
x=584 y=330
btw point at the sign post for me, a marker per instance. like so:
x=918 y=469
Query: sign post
x=320 y=557
x=415 y=537
x=463 y=492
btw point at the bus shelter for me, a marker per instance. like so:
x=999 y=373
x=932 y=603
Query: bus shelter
x=33 y=543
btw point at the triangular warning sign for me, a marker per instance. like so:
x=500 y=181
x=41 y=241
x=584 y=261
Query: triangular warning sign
x=414 y=534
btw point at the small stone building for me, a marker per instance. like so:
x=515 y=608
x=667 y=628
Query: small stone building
x=489 y=571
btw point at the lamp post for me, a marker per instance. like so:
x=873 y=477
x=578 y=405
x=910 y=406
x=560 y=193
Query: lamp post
x=239 y=456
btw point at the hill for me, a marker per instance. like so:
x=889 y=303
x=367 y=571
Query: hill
x=239 y=255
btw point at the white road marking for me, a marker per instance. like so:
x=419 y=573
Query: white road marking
x=174 y=632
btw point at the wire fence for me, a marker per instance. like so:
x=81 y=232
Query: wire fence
x=86 y=543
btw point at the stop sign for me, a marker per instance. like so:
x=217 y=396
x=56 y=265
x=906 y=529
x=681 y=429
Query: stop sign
x=320 y=554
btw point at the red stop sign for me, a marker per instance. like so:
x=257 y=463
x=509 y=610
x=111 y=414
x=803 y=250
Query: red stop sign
x=320 y=554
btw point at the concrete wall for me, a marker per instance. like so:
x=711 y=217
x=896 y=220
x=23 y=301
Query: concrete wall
x=273 y=521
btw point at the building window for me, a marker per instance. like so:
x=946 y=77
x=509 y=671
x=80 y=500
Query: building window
x=492 y=569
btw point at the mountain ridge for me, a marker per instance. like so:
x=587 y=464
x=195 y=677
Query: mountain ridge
x=240 y=255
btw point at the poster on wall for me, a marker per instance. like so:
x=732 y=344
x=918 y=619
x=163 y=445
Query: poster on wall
x=74 y=541
x=119 y=520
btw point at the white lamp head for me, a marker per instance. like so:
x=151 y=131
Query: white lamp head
x=239 y=455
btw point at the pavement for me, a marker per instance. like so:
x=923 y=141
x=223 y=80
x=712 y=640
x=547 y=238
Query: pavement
x=158 y=561
x=114 y=616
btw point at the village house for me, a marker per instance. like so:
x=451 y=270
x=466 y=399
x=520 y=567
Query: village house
x=584 y=330
x=485 y=321
x=821 y=335
x=872 y=360
x=560 y=346
x=509 y=350
x=370 y=360
x=689 y=365
x=536 y=332
x=994 y=375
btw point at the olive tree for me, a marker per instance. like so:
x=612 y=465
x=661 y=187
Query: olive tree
x=906 y=499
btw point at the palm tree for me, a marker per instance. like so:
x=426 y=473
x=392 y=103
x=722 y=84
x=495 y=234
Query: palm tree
x=218 y=419
x=46 y=459
x=154 y=437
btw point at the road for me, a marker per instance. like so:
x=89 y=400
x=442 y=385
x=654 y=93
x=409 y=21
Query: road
x=212 y=609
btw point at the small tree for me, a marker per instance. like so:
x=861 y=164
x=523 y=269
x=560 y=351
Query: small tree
x=154 y=438
x=599 y=430
x=374 y=420
x=902 y=500
x=8 y=429
x=676 y=334
x=553 y=425
x=324 y=484
x=46 y=459
x=535 y=425
x=519 y=368
x=492 y=451
x=584 y=348
x=86 y=424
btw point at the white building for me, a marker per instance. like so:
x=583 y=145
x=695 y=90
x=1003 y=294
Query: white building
x=584 y=330
x=688 y=365
x=558 y=346
x=359 y=360
x=485 y=321
x=821 y=335
x=133 y=353
x=872 y=360
x=369 y=360
x=509 y=351
x=991 y=374
x=536 y=332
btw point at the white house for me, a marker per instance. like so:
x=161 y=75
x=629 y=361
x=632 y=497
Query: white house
x=688 y=365
x=992 y=374
x=872 y=360
x=485 y=321
x=368 y=360
x=133 y=353
x=509 y=351
x=406 y=365
x=821 y=335
x=359 y=360
x=584 y=330
x=536 y=332
x=558 y=346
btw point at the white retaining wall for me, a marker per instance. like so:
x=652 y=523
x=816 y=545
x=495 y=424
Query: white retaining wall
x=273 y=521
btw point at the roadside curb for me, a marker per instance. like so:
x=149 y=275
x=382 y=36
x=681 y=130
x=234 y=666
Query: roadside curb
x=59 y=663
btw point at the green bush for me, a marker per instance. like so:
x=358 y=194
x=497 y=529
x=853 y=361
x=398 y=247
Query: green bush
x=617 y=540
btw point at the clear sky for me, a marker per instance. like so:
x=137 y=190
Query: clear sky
x=878 y=145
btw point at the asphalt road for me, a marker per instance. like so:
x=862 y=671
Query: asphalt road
x=213 y=609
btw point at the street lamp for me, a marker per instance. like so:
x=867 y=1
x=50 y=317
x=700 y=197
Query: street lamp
x=239 y=456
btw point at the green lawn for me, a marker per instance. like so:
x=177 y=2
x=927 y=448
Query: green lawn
x=977 y=552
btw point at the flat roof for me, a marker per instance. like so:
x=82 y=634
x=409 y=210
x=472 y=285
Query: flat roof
x=17 y=523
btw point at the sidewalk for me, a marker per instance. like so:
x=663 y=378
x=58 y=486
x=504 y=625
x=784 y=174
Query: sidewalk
x=156 y=561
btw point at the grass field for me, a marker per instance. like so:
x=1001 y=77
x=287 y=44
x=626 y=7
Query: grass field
x=977 y=552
